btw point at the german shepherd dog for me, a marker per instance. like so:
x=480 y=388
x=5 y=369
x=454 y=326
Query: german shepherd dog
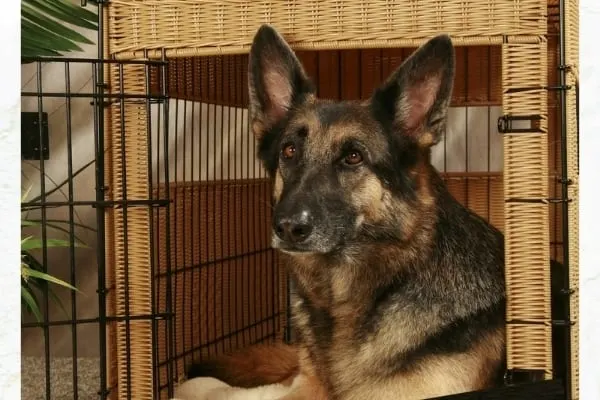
x=399 y=289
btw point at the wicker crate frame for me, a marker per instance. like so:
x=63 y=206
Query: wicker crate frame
x=153 y=29
x=526 y=212
x=180 y=28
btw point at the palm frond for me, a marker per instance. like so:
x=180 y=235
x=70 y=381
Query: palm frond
x=44 y=31
x=30 y=302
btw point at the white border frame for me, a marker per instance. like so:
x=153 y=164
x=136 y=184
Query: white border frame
x=589 y=75
x=589 y=211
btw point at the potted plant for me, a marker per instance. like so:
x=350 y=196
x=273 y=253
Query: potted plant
x=33 y=277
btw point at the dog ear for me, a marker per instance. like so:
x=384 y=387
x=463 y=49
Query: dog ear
x=277 y=82
x=417 y=95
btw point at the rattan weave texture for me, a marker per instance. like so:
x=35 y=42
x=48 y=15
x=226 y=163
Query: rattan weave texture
x=572 y=60
x=129 y=247
x=526 y=210
x=208 y=27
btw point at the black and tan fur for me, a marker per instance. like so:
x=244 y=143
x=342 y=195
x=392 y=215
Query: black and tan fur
x=399 y=288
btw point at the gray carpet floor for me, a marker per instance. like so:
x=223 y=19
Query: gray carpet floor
x=33 y=378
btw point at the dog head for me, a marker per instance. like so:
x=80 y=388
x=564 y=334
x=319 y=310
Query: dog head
x=347 y=172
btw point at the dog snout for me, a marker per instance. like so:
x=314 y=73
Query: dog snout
x=293 y=229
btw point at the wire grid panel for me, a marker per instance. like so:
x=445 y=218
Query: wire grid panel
x=62 y=353
x=526 y=225
x=572 y=60
x=129 y=246
x=555 y=166
x=227 y=286
x=209 y=27
x=554 y=134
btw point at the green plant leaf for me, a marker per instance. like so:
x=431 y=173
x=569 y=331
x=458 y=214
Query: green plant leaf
x=58 y=45
x=49 y=278
x=58 y=302
x=51 y=295
x=63 y=11
x=35 y=36
x=30 y=302
x=25 y=240
x=43 y=21
x=33 y=243
x=25 y=271
x=30 y=261
x=43 y=30
x=25 y=222
x=38 y=37
x=26 y=193
x=36 y=51
x=77 y=10
x=28 y=223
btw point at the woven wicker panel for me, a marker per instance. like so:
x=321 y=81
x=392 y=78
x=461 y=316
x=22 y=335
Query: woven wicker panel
x=572 y=59
x=526 y=223
x=221 y=79
x=227 y=287
x=131 y=291
x=481 y=192
x=208 y=27
x=109 y=244
x=128 y=245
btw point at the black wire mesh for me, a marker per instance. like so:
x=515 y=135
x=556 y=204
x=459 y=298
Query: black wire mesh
x=228 y=288
x=68 y=200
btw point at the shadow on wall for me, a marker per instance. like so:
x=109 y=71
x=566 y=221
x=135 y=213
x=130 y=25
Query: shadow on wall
x=206 y=142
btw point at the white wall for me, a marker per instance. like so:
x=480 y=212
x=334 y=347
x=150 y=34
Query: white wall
x=589 y=213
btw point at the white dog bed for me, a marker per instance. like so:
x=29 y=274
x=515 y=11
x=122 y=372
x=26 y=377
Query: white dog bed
x=214 y=389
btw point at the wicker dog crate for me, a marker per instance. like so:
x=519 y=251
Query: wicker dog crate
x=217 y=284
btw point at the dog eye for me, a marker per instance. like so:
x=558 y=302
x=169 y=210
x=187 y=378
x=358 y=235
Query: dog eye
x=288 y=151
x=353 y=158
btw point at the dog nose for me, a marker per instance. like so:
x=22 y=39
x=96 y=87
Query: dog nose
x=293 y=230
